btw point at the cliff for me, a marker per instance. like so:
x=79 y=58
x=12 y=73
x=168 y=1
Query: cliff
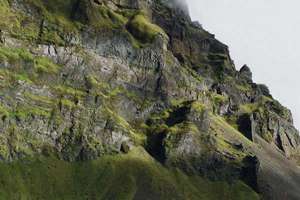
x=130 y=99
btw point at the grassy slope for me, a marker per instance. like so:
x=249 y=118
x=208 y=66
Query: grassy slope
x=123 y=177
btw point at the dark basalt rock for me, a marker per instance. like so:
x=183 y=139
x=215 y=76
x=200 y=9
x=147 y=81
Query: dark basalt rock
x=244 y=123
x=245 y=74
x=125 y=148
x=250 y=170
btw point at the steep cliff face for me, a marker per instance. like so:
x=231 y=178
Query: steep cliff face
x=130 y=99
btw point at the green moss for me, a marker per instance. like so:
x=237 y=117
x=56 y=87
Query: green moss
x=248 y=108
x=42 y=107
x=116 y=17
x=16 y=142
x=104 y=19
x=15 y=54
x=22 y=77
x=123 y=124
x=194 y=74
x=259 y=105
x=268 y=136
x=66 y=91
x=219 y=99
x=7 y=77
x=55 y=15
x=25 y=111
x=45 y=65
x=232 y=121
x=4 y=111
x=183 y=128
x=22 y=60
x=223 y=130
x=43 y=100
x=198 y=106
x=123 y=177
x=137 y=44
x=67 y=103
x=143 y=29
x=4 y=149
x=7 y=18
x=177 y=102
x=244 y=87
x=55 y=12
x=92 y=81
x=224 y=146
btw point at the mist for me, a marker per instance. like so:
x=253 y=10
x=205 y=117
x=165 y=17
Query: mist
x=263 y=34
x=180 y=4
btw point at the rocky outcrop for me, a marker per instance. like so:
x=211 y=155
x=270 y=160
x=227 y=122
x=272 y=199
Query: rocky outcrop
x=246 y=74
x=86 y=81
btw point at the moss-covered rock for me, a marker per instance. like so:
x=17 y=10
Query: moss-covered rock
x=143 y=29
x=135 y=90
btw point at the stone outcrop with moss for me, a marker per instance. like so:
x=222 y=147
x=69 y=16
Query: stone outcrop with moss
x=119 y=99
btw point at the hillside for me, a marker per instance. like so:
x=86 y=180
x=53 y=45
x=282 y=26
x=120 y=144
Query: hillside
x=130 y=99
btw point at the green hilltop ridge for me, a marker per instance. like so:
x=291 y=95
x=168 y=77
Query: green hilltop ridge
x=117 y=99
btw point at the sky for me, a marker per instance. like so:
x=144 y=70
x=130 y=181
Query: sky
x=265 y=35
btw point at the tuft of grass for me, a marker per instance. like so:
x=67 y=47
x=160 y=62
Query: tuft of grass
x=198 y=106
x=45 y=65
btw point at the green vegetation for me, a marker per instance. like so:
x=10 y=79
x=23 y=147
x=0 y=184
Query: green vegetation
x=7 y=18
x=225 y=131
x=120 y=122
x=198 y=106
x=24 y=111
x=14 y=142
x=4 y=112
x=44 y=65
x=42 y=100
x=111 y=177
x=69 y=92
x=143 y=29
x=249 y=108
x=183 y=128
x=93 y=83
x=102 y=18
x=57 y=21
x=219 y=99
x=244 y=87
x=67 y=103
x=259 y=105
x=14 y=55
x=24 y=65
x=44 y=104
x=54 y=15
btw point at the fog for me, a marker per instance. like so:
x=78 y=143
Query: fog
x=265 y=35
